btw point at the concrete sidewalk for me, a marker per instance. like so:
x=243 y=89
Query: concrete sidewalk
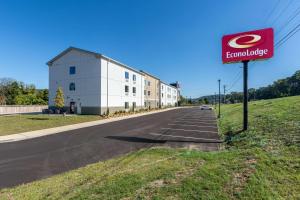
x=50 y=131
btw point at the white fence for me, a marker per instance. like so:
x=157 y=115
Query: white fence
x=16 y=109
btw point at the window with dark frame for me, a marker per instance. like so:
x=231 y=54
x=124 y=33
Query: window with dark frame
x=126 y=88
x=134 y=77
x=72 y=86
x=126 y=75
x=133 y=90
x=148 y=93
x=72 y=70
x=126 y=105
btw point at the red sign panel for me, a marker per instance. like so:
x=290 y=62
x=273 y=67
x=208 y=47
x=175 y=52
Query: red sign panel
x=252 y=45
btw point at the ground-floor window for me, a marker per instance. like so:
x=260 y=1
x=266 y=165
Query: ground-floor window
x=145 y=104
x=133 y=104
x=126 y=105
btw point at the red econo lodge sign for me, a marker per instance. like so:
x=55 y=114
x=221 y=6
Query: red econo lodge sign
x=250 y=45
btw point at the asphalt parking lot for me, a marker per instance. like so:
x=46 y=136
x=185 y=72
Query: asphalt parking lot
x=29 y=160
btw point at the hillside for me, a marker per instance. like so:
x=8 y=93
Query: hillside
x=262 y=163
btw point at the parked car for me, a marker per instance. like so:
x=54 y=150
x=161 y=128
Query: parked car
x=206 y=107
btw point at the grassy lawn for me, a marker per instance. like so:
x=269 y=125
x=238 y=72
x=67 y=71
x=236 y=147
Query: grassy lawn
x=262 y=163
x=27 y=122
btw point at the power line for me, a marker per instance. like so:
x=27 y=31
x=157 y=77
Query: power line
x=291 y=18
x=234 y=83
x=285 y=38
x=272 y=11
x=282 y=11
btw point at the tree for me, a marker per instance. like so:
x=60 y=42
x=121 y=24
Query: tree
x=206 y=101
x=59 y=98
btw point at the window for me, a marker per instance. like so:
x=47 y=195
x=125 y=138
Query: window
x=72 y=70
x=145 y=104
x=148 y=93
x=72 y=87
x=145 y=92
x=162 y=87
x=134 y=77
x=145 y=82
x=162 y=94
x=126 y=105
x=126 y=75
x=134 y=90
x=126 y=88
x=133 y=105
x=148 y=83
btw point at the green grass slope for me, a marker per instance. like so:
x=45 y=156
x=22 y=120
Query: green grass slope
x=262 y=163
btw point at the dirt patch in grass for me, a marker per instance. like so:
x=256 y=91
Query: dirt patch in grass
x=240 y=177
x=147 y=191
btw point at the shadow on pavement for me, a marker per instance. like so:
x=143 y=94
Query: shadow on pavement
x=155 y=141
x=135 y=139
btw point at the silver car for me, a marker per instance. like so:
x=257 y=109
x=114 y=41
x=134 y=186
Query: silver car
x=206 y=107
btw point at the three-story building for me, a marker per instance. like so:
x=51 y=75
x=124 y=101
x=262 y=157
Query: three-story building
x=93 y=83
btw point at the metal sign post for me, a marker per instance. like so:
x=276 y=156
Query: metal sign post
x=219 y=115
x=245 y=102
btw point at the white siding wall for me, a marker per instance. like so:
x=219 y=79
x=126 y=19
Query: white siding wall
x=116 y=86
x=169 y=97
x=86 y=79
x=174 y=96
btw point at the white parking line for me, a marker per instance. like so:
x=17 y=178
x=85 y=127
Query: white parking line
x=198 y=122
x=199 y=119
x=192 y=125
x=178 y=136
x=187 y=130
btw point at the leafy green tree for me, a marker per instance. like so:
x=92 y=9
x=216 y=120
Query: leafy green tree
x=206 y=101
x=59 y=98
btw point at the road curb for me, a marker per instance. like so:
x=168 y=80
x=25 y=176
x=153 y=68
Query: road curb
x=50 y=131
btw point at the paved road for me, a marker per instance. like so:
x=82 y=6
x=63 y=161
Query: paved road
x=29 y=160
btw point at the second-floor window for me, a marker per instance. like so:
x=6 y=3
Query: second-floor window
x=126 y=75
x=149 y=83
x=134 y=77
x=126 y=88
x=148 y=93
x=133 y=90
x=72 y=70
x=72 y=87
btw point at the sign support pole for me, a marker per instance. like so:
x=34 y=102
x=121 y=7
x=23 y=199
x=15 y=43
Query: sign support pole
x=245 y=103
x=219 y=115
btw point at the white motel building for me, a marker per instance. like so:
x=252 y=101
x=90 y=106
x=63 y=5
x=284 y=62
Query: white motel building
x=96 y=84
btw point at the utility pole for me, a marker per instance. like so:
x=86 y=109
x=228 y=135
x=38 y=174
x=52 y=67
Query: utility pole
x=245 y=102
x=219 y=115
x=224 y=94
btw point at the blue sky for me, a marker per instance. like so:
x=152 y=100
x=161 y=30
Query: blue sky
x=174 y=40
